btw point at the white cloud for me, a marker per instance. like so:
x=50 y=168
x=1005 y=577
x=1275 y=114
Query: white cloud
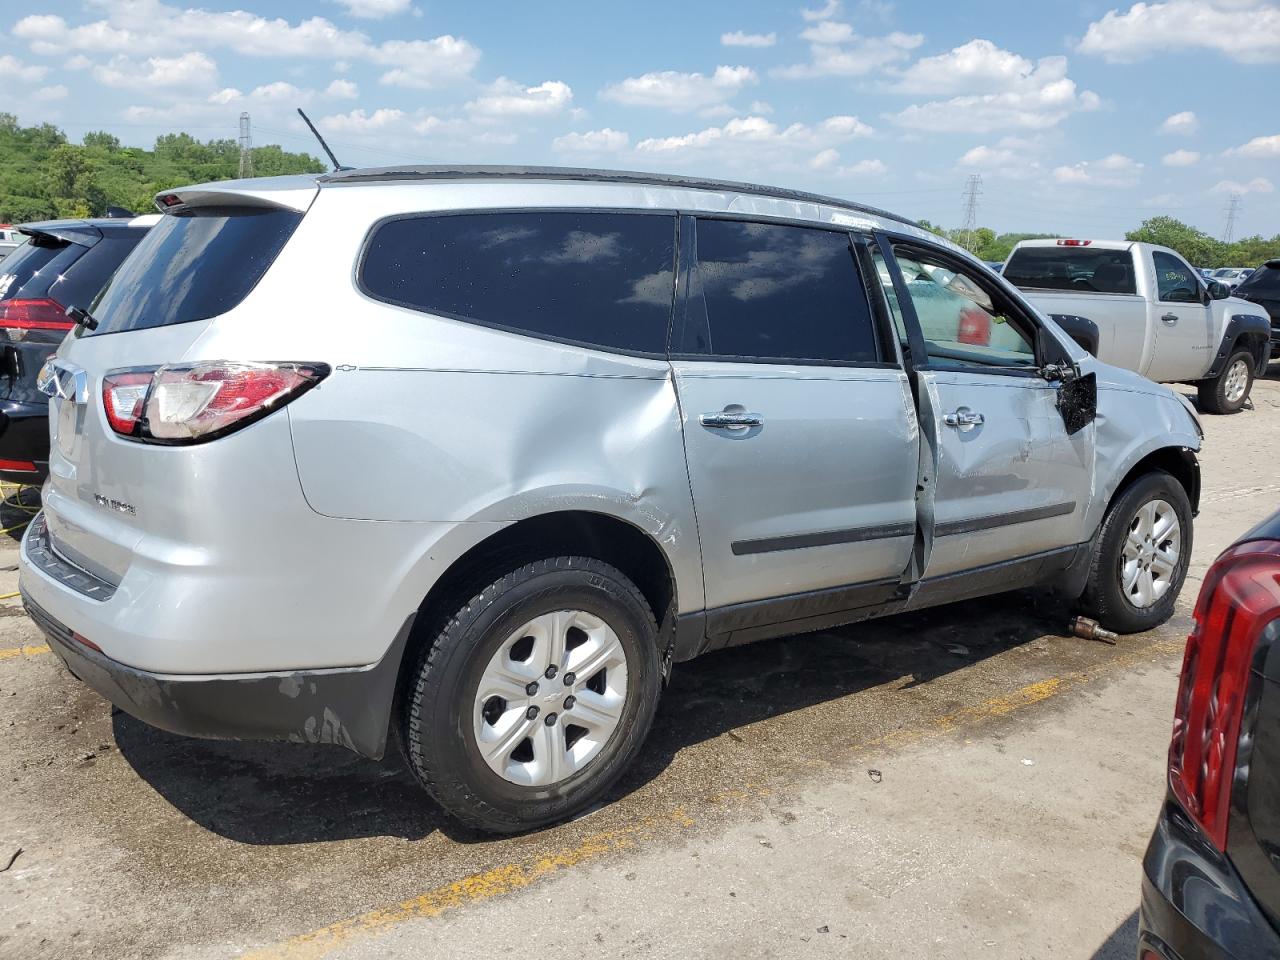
x=278 y=92
x=11 y=68
x=134 y=27
x=1184 y=123
x=863 y=168
x=755 y=142
x=45 y=94
x=835 y=50
x=1256 y=185
x=762 y=107
x=739 y=39
x=1010 y=157
x=825 y=12
x=1244 y=30
x=681 y=92
x=226 y=95
x=505 y=98
x=825 y=159
x=1261 y=147
x=374 y=9
x=1164 y=200
x=1115 y=170
x=606 y=140
x=342 y=90
x=357 y=121
x=189 y=70
x=1180 y=158
x=1019 y=96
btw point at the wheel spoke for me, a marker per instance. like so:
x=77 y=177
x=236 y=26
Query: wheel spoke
x=497 y=751
x=500 y=681
x=1129 y=575
x=600 y=651
x=599 y=714
x=1166 y=521
x=549 y=761
x=1165 y=562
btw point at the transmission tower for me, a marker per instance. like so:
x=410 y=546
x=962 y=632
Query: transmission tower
x=972 y=191
x=1233 y=208
x=246 y=147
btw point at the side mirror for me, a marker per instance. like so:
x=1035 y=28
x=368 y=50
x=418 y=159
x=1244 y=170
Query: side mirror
x=1218 y=291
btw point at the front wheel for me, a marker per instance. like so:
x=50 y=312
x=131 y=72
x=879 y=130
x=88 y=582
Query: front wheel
x=535 y=696
x=1142 y=555
x=1227 y=392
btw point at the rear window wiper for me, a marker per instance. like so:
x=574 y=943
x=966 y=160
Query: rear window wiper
x=82 y=318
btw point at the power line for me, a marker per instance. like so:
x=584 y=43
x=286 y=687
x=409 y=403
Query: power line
x=246 y=147
x=1233 y=208
x=972 y=191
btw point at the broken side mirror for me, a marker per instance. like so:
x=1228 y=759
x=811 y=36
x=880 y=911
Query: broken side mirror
x=1078 y=402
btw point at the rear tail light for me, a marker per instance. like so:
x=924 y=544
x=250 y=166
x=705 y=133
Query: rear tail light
x=19 y=316
x=192 y=403
x=18 y=466
x=1074 y=243
x=1239 y=598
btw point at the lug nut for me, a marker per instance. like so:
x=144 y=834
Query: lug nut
x=531 y=713
x=569 y=678
x=569 y=701
x=550 y=720
x=531 y=687
x=551 y=672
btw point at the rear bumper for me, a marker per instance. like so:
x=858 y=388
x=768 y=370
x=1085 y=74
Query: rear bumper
x=24 y=436
x=1194 y=904
x=350 y=707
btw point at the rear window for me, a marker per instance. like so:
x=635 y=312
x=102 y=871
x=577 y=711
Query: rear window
x=1078 y=269
x=78 y=285
x=193 y=266
x=1264 y=282
x=30 y=271
x=600 y=279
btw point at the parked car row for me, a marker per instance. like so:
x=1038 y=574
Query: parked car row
x=10 y=239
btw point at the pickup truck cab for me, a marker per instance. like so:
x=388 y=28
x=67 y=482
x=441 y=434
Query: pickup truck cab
x=1155 y=314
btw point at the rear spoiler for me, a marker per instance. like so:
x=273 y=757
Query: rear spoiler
x=279 y=193
x=62 y=232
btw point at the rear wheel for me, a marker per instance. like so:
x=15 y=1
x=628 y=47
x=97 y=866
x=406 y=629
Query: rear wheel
x=535 y=696
x=1227 y=392
x=1142 y=555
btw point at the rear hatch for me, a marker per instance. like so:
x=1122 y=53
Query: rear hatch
x=1263 y=288
x=201 y=260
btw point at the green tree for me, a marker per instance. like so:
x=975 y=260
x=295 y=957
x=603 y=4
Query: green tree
x=1199 y=249
x=101 y=140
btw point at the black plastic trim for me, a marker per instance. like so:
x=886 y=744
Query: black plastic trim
x=1240 y=324
x=975 y=524
x=42 y=556
x=799 y=541
x=1080 y=329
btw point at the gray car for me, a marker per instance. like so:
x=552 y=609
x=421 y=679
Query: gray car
x=469 y=459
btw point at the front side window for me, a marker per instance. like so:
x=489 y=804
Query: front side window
x=600 y=279
x=770 y=292
x=961 y=322
x=1175 y=281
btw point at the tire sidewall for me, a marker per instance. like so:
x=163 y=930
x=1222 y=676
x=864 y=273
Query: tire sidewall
x=1220 y=387
x=446 y=742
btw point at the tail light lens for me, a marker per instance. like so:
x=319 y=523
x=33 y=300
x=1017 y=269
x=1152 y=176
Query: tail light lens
x=19 y=316
x=1239 y=598
x=192 y=403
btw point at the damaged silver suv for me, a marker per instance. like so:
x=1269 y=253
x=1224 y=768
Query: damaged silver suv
x=467 y=459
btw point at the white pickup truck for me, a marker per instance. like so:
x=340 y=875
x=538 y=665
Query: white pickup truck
x=1153 y=312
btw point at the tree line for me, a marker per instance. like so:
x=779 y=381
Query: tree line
x=43 y=176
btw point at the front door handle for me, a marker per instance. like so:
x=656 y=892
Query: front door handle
x=1170 y=318
x=730 y=421
x=962 y=418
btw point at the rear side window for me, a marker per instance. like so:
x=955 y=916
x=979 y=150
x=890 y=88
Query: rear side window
x=77 y=286
x=34 y=267
x=600 y=279
x=193 y=266
x=764 y=291
x=1263 y=282
x=1079 y=269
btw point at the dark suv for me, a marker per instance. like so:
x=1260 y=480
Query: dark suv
x=64 y=263
x=1212 y=884
x=1263 y=288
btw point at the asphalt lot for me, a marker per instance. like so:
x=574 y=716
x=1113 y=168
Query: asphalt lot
x=1017 y=775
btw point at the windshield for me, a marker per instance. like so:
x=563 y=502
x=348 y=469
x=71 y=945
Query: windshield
x=193 y=266
x=1078 y=269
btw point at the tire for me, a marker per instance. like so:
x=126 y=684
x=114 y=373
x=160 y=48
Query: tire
x=533 y=782
x=1108 y=596
x=1223 y=394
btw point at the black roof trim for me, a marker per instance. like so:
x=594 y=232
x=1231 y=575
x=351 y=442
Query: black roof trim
x=481 y=172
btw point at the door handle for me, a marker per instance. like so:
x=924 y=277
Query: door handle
x=730 y=421
x=1170 y=318
x=963 y=418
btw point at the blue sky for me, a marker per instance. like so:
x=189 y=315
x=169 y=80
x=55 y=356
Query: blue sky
x=1082 y=118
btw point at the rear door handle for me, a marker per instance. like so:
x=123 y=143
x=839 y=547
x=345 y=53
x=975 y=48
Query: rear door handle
x=1170 y=318
x=730 y=421
x=963 y=418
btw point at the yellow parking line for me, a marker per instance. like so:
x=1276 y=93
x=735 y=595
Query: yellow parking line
x=26 y=650
x=502 y=880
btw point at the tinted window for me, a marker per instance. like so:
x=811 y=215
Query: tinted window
x=29 y=271
x=960 y=319
x=78 y=285
x=1263 y=282
x=193 y=266
x=604 y=279
x=1072 y=268
x=1175 y=281
x=774 y=292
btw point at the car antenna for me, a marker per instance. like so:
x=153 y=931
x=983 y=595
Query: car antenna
x=312 y=127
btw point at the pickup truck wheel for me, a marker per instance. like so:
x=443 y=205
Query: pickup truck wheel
x=1142 y=555
x=535 y=696
x=1227 y=392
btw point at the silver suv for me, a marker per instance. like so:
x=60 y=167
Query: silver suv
x=468 y=458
